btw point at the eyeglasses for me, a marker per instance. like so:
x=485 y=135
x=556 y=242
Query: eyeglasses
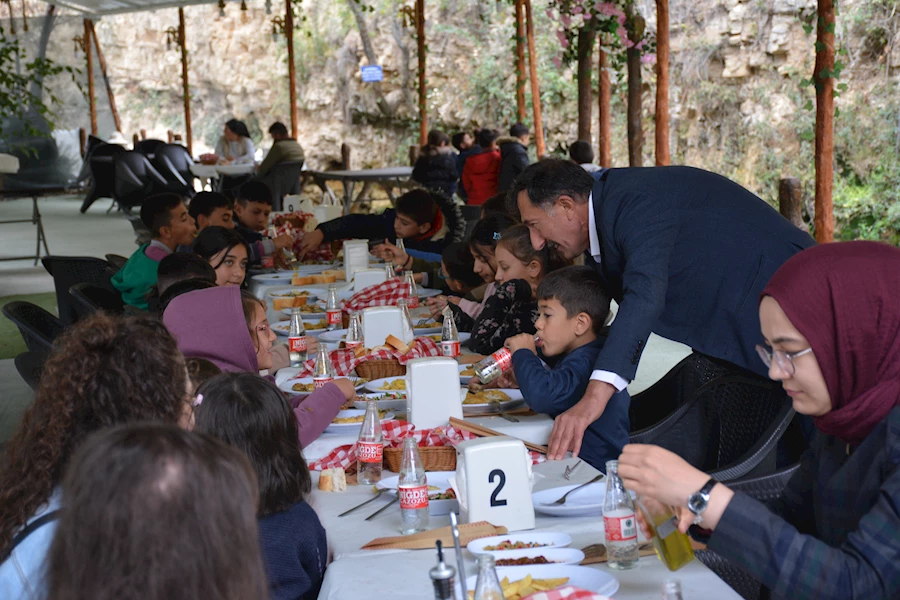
x=784 y=360
x=262 y=327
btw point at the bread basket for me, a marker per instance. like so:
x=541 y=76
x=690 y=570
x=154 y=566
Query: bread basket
x=379 y=368
x=434 y=458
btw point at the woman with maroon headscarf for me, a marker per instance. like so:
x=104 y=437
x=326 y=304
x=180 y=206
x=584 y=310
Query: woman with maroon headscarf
x=831 y=323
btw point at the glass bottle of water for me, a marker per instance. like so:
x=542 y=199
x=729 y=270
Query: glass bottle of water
x=332 y=309
x=619 y=521
x=389 y=271
x=297 y=339
x=412 y=294
x=449 y=334
x=413 y=490
x=401 y=246
x=354 y=332
x=323 y=372
x=369 y=446
x=487 y=586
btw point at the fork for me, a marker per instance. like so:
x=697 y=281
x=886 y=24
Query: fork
x=562 y=500
x=421 y=322
x=569 y=469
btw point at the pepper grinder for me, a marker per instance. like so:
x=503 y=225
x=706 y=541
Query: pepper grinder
x=442 y=576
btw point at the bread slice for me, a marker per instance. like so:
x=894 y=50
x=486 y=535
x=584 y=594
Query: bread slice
x=324 y=278
x=397 y=344
x=339 y=274
x=282 y=303
x=360 y=351
x=333 y=480
x=301 y=280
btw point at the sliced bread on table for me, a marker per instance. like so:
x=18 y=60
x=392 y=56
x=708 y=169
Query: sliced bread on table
x=397 y=344
x=333 y=480
x=301 y=280
x=337 y=273
x=323 y=278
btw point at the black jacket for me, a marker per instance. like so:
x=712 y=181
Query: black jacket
x=437 y=172
x=513 y=160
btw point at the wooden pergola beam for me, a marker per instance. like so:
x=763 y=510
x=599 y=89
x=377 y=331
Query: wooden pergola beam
x=423 y=93
x=603 y=139
x=109 y=92
x=824 y=159
x=186 y=88
x=520 y=62
x=663 y=156
x=292 y=69
x=89 y=55
x=535 y=86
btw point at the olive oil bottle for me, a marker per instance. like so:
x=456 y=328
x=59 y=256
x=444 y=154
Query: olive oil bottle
x=672 y=547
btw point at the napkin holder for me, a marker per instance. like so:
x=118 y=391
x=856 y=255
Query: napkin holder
x=356 y=257
x=378 y=322
x=432 y=391
x=493 y=482
x=367 y=277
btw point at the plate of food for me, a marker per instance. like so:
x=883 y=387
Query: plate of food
x=441 y=498
x=387 y=384
x=283 y=277
x=463 y=337
x=314 y=327
x=519 y=582
x=303 y=386
x=519 y=541
x=350 y=420
x=289 y=297
x=488 y=401
x=334 y=336
x=586 y=502
x=386 y=400
x=540 y=556
x=431 y=326
x=466 y=373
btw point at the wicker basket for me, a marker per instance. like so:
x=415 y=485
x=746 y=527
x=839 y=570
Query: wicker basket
x=434 y=458
x=378 y=369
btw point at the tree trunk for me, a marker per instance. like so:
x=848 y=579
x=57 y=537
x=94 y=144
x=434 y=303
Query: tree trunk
x=399 y=34
x=662 y=83
x=824 y=159
x=292 y=67
x=635 y=131
x=186 y=87
x=420 y=56
x=585 y=49
x=380 y=101
x=535 y=86
x=520 y=62
x=103 y=72
x=49 y=21
x=90 y=75
x=603 y=137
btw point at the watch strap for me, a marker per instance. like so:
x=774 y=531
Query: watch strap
x=708 y=486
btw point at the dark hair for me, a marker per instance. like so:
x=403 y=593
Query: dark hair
x=457 y=139
x=518 y=130
x=578 y=289
x=486 y=137
x=181 y=266
x=496 y=203
x=251 y=414
x=200 y=370
x=179 y=288
x=487 y=231
x=102 y=371
x=437 y=137
x=213 y=240
x=547 y=180
x=156 y=211
x=254 y=191
x=517 y=240
x=419 y=205
x=238 y=127
x=581 y=152
x=460 y=264
x=249 y=302
x=158 y=513
x=278 y=128
x=204 y=203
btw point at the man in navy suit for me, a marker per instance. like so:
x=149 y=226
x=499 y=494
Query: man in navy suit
x=684 y=252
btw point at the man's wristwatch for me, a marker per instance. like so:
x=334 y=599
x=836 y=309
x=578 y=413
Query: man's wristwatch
x=699 y=500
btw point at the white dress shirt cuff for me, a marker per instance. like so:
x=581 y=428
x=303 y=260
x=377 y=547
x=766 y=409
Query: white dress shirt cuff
x=611 y=378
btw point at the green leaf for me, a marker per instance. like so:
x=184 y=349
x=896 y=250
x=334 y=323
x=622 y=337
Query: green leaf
x=843 y=87
x=805 y=82
x=820 y=47
x=807 y=29
x=807 y=135
x=837 y=112
x=829 y=28
x=808 y=105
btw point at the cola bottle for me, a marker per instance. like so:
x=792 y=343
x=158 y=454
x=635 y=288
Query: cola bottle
x=619 y=521
x=487 y=586
x=332 y=309
x=323 y=372
x=369 y=446
x=354 y=332
x=449 y=335
x=297 y=339
x=413 y=490
x=412 y=294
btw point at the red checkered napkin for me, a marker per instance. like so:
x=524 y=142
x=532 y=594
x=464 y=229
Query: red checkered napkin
x=344 y=361
x=382 y=294
x=287 y=224
x=568 y=592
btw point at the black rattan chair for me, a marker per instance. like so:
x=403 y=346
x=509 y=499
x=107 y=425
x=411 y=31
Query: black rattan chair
x=69 y=270
x=135 y=180
x=91 y=298
x=174 y=163
x=29 y=365
x=283 y=179
x=102 y=171
x=38 y=327
x=148 y=147
x=115 y=262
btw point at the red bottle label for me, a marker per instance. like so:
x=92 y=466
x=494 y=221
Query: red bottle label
x=349 y=344
x=450 y=349
x=369 y=452
x=297 y=344
x=320 y=381
x=620 y=529
x=333 y=317
x=503 y=358
x=267 y=262
x=413 y=497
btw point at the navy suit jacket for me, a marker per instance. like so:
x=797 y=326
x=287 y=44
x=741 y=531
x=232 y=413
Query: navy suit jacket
x=686 y=254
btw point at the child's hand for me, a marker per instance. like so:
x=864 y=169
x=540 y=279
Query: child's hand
x=312 y=345
x=311 y=241
x=284 y=241
x=519 y=342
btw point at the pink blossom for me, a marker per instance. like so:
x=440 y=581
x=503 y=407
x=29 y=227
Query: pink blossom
x=566 y=20
x=550 y=13
x=577 y=10
x=561 y=36
x=621 y=18
x=564 y=44
x=640 y=45
x=606 y=8
x=557 y=62
x=648 y=59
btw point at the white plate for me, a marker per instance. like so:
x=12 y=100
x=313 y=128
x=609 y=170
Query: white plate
x=560 y=556
x=346 y=428
x=439 y=479
x=515 y=401
x=395 y=404
x=548 y=539
x=274 y=278
x=287 y=381
x=586 y=578
x=284 y=291
x=241 y=169
x=586 y=502
x=283 y=328
x=427 y=330
x=335 y=336
x=375 y=384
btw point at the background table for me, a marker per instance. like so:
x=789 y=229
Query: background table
x=206 y=173
x=388 y=178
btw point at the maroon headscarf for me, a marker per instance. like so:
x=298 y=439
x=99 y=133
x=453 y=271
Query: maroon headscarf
x=845 y=299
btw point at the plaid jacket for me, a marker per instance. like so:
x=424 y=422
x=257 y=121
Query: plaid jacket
x=835 y=530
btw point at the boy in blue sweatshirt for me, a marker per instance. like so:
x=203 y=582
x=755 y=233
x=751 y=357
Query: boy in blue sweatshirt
x=573 y=311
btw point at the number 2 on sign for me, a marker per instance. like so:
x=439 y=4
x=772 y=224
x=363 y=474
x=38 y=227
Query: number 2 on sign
x=497 y=473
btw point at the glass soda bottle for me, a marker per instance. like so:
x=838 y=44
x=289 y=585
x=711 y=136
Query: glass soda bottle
x=297 y=339
x=449 y=335
x=323 y=372
x=407 y=319
x=672 y=590
x=413 y=490
x=412 y=294
x=401 y=246
x=442 y=577
x=491 y=367
x=619 y=521
x=268 y=261
x=354 y=332
x=673 y=548
x=487 y=586
x=389 y=271
x=369 y=446
x=332 y=309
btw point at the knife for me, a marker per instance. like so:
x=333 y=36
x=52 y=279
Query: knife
x=381 y=510
x=376 y=497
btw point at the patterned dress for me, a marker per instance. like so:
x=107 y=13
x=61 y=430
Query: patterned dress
x=511 y=310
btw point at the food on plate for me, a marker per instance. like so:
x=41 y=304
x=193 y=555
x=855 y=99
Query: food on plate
x=339 y=274
x=312 y=308
x=396 y=384
x=510 y=545
x=303 y=387
x=323 y=278
x=515 y=590
x=301 y=281
x=358 y=419
x=333 y=480
x=315 y=326
x=428 y=324
x=391 y=396
x=397 y=344
x=291 y=294
x=447 y=494
x=525 y=560
x=486 y=397
x=436 y=337
x=282 y=302
x=468 y=371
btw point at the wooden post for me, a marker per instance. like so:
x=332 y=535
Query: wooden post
x=790 y=203
x=663 y=156
x=585 y=50
x=182 y=43
x=423 y=96
x=535 y=87
x=292 y=68
x=82 y=141
x=635 y=129
x=109 y=92
x=824 y=159
x=90 y=74
x=170 y=135
x=143 y=134
x=605 y=94
x=520 y=63
x=134 y=140
x=413 y=154
x=345 y=157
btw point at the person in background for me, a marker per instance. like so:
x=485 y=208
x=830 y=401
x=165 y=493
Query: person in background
x=828 y=317
x=513 y=156
x=582 y=155
x=253 y=416
x=177 y=267
x=170 y=225
x=252 y=208
x=455 y=269
x=102 y=371
x=436 y=166
x=199 y=372
x=496 y=204
x=235 y=145
x=481 y=172
x=284 y=149
x=211 y=209
x=465 y=146
x=574 y=310
x=157 y=513
x=226 y=252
